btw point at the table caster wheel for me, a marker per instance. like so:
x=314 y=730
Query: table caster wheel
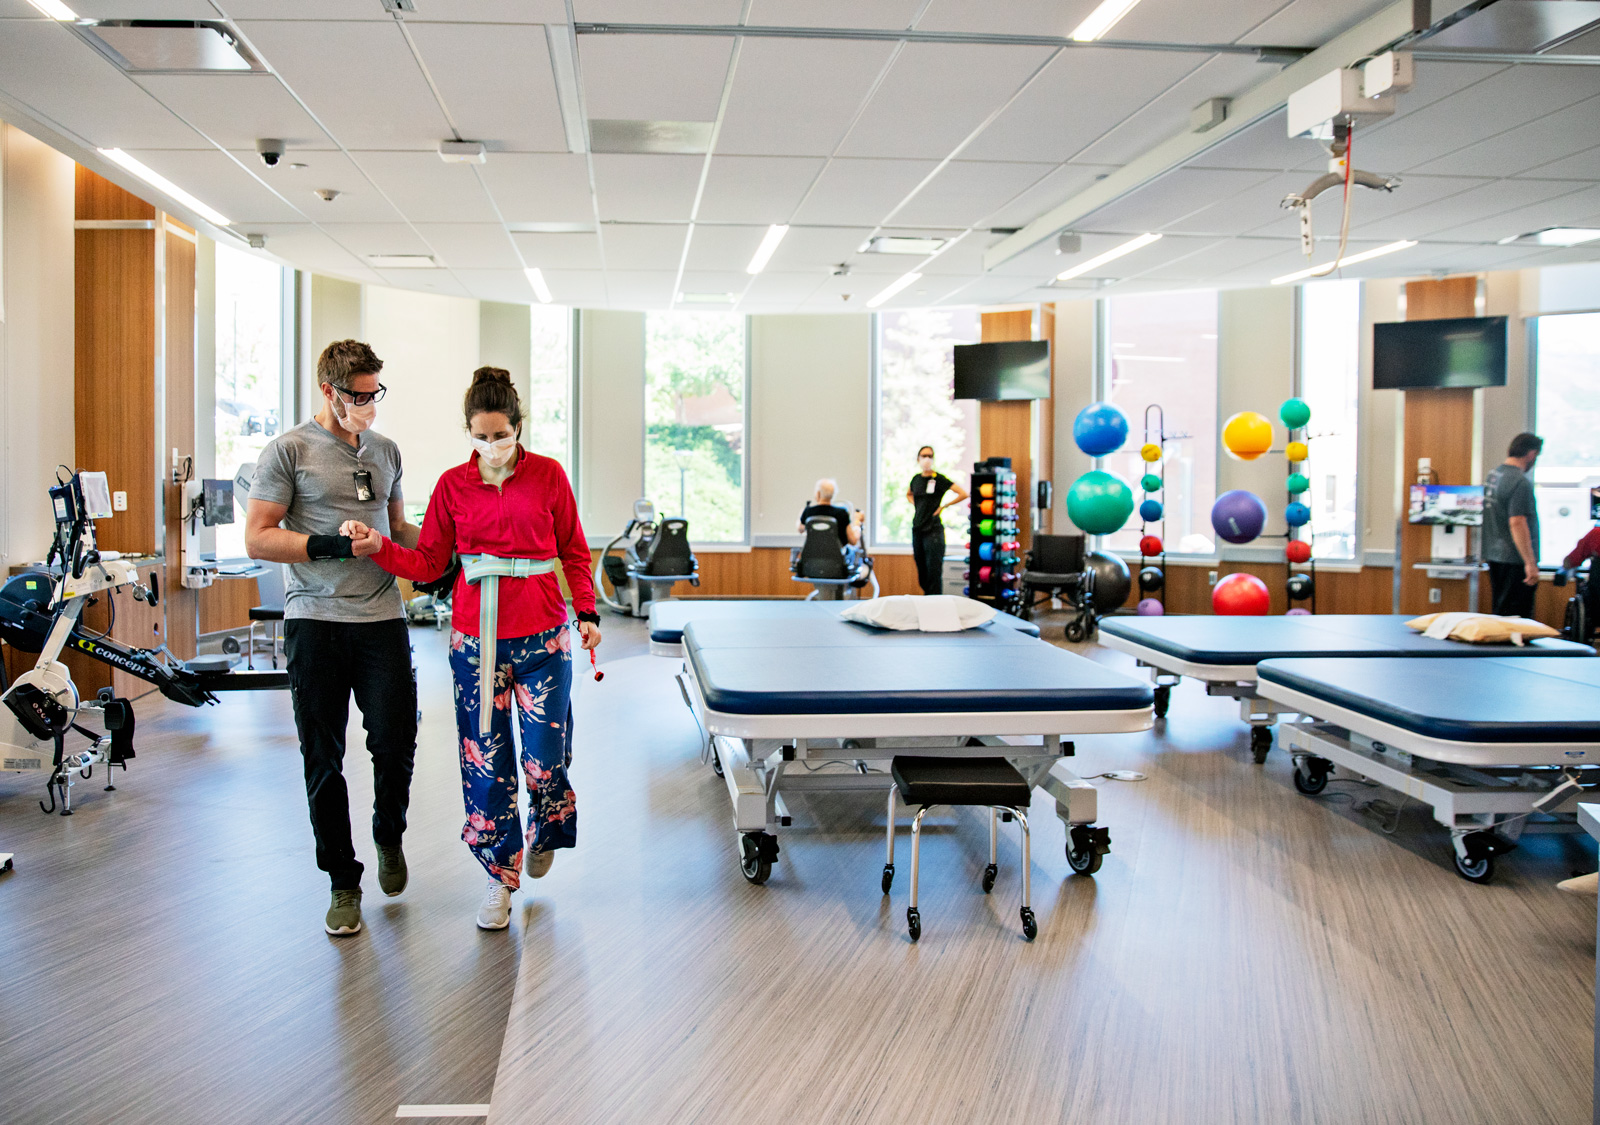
x=757 y=850
x=1479 y=870
x=888 y=877
x=1260 y=743
x=716 y=763
x=989 y=873
x=1030 y=926
x=1163 y=700
x=1086 y=848
x=1311 y=775
x=913 y=923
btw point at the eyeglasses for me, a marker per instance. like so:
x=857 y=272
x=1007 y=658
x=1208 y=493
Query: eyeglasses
x=361 y=398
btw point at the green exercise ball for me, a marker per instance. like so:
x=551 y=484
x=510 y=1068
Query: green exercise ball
x=1150 y=482
x=1295 y=412
x=1298 y=482
x=1099 y=502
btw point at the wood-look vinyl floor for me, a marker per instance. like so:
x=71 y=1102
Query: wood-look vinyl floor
x=1246 y=954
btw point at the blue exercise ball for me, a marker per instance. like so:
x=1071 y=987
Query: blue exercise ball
x=1238 y=516
x=1099 y=503
x=1100 y=428
x=1150 y=511
x=1297 y=514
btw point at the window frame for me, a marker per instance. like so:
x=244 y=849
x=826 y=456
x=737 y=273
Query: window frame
x=745 y=460
x=1531 y=326
x=1358 y=543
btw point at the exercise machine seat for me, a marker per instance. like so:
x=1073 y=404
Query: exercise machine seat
x=270 y=588
x=821 y=555
x=669 y=550
x=960 y=781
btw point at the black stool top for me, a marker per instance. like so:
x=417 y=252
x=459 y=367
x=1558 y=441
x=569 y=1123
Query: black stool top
x=959 y=781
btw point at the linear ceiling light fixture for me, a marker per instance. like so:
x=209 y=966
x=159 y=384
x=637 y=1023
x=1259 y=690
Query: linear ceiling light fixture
x=1555 y=236
x=1347 y=260
x=894 y=287
x=162 y=184
x=763 y=252
x=1109 y=256
x=1102 y=19
x=56 y=10
x=540 y=289
x=565 y=68
x=901 y=244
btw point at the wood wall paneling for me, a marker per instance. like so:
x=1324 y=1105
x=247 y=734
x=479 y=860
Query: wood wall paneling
x=1439 y=426
x=226 y=604
x=1005 y=429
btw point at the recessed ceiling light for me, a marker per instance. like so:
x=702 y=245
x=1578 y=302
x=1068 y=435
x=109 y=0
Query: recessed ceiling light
x=763 y=254
x=1109 y=256
x=162 y=184
x=706 y=298
x=463 y=152
x=540 y=289
x=895 y=244
x=1102 y=19
x=55 y=9
x=1347 y=260
x=894 y=287
x=402 y=261
x=1555 y=236
x=691 y=137
x=169 y=46
x=550 y=228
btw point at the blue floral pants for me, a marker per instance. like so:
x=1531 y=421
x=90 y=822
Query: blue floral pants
x=533 y=687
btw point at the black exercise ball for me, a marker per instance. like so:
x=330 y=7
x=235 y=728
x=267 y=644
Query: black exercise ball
x=1111 y=581
x=1300 y=587
x=1151 y=579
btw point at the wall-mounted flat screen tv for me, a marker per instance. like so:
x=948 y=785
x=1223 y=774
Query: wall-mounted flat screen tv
x=1014 y=369
x=1467 y=351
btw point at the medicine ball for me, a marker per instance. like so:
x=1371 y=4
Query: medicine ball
x=1301 y=586
x=1151 y=579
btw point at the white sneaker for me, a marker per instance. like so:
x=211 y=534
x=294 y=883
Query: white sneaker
x=537 y=864
x=495 y=913
x=1581 y=885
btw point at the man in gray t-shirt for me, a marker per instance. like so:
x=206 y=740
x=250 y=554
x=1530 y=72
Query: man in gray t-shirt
x=344 y=626
x=1511 y=529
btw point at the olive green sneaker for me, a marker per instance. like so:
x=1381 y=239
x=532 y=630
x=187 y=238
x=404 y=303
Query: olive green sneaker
x=392 y=872
x=344 y=916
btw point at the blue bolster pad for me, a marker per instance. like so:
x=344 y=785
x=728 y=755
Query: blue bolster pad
x=1494 y=699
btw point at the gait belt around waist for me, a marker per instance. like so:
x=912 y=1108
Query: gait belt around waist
x=485 y=571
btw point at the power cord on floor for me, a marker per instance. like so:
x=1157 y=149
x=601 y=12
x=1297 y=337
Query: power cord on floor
x=1119 y=775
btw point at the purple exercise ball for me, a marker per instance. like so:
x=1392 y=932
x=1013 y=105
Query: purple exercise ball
x=1238 y=516
x=1149 y=607
x=1297 y=611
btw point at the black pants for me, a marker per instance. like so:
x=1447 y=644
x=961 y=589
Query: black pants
x=928 y=547
x=328 y=662
x=1512 y=596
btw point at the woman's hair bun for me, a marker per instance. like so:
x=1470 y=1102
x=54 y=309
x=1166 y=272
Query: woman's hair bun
x=492 y=392
x=491 y=375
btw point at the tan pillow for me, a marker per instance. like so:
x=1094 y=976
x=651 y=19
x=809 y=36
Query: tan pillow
x=1481 y=628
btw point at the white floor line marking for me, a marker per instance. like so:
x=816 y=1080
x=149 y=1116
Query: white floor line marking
x=473 y=1109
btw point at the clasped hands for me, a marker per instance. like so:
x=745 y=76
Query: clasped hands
x=364 y=540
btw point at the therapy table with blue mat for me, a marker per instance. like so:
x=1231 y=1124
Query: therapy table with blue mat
x=668 y=618
x=1497 y=746
x=809 y=703
x=1222 y=652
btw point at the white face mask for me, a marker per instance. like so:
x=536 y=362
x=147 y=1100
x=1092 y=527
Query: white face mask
x=926 y=463
x=354 y=419
x=497 y=453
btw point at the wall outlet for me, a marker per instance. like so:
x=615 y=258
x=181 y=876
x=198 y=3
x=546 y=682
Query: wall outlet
x=119 y=501
x=1211 y=578
x=1435 y=595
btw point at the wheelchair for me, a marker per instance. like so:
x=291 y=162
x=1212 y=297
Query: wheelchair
x=1582 y=613
x=1058 y=566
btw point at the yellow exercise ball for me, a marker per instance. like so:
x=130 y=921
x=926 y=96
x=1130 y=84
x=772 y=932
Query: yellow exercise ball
x=1297 y=451
x=1247 y=435
x=1150 y=451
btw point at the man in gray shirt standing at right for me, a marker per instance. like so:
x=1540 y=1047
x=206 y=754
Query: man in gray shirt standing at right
x=1511 y=529
x=344 y=624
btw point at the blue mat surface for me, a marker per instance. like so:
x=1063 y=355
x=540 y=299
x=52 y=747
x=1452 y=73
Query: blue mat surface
x=667 y=619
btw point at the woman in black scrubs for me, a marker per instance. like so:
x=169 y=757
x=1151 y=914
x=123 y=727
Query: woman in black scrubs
x=926 y=493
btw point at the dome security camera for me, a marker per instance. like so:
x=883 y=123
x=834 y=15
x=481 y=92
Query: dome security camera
x=271 y=151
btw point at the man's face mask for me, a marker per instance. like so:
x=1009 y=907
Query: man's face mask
x=497 y=453
x=354 y=419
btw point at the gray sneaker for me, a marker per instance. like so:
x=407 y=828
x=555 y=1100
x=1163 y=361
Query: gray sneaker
x=392 y=873
x=495 y=913
x=344 y=916
x=537 y=864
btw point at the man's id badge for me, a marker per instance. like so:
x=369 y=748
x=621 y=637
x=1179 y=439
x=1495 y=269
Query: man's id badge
x=363 y=484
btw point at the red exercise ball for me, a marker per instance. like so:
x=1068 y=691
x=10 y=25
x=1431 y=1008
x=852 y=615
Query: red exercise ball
x=1298 y=550
x=1150 y=546
x=1241 y=595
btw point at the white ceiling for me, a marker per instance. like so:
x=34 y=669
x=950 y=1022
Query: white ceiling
x=840 y=138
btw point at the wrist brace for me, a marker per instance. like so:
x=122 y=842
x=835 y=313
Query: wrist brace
x=328 y=547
